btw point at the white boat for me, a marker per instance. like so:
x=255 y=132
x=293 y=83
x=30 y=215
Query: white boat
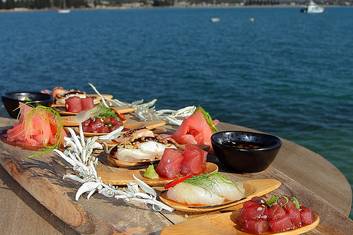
x=313 y=8
x=215 y=19
x=64 y=11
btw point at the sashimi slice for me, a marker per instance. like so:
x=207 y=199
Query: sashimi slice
x=170 y=164
x=73 y=104
x=193 y=195
x=194 y=161
x=87 y=103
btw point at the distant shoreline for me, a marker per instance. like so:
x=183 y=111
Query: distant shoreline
x=168 y=7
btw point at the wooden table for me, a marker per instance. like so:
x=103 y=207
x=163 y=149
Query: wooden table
x=304 y=173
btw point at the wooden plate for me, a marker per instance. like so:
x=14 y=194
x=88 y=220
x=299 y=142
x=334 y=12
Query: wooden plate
x=122 y=176
x=222 y=224
x=256 y=187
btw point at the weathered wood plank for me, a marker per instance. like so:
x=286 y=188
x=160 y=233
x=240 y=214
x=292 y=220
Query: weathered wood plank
x=42 y=178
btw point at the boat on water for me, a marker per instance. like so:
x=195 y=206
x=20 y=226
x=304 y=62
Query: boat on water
x=64 y=10
x=215 y=19
x=313 y=8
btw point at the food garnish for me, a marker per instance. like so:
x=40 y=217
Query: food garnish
x=207 y=189
x=277 y=214
x=177 y=181
x=151 y=173
x=38 y=126
x=104 y=112
x=208 y=118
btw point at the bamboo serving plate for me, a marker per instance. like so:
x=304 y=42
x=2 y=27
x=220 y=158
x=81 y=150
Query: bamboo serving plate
x=253 y=188
x=122 y=176
x=222 y=224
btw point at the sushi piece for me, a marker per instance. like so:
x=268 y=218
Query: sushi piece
x=207 y=189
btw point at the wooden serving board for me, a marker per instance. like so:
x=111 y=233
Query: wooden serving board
x=307 y=175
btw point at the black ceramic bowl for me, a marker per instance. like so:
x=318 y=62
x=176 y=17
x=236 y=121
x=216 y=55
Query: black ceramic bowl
x=12 y=100
x=245 y=152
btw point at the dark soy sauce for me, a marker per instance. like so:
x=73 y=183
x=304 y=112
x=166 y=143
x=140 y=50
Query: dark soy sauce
x=243 y=145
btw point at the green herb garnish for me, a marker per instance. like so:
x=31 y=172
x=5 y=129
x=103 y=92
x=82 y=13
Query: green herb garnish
x=208 y=118
x=209 y=181
x=296 y=202
x=272 y=200
x=104 y=112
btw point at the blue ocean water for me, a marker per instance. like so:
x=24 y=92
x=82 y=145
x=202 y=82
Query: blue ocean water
x=287 y=73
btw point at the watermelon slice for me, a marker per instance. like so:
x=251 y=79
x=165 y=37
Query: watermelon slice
x=196 y=129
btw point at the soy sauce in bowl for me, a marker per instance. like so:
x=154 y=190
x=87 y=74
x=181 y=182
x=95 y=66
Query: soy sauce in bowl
x=243 y=152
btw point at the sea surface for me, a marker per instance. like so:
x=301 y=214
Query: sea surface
x=287 y=73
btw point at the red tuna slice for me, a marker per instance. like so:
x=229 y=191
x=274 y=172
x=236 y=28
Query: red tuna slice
x=256 y=226
x=170 y=164
x=194 y=130
x=87 y=103
x=73 y=104
x=194 y=161
x=306 y=215
x=281 y=225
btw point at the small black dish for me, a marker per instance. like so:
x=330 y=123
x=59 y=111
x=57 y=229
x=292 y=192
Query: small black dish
x=12 y=100
x=245 y=152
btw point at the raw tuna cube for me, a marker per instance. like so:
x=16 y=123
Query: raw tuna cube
x=306 y=215
x=256 y=226
x=281 y=225
x=294 y=215
x=253 y=212
x=275 y=212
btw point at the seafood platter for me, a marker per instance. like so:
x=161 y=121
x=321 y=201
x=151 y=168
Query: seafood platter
x=134 y=154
